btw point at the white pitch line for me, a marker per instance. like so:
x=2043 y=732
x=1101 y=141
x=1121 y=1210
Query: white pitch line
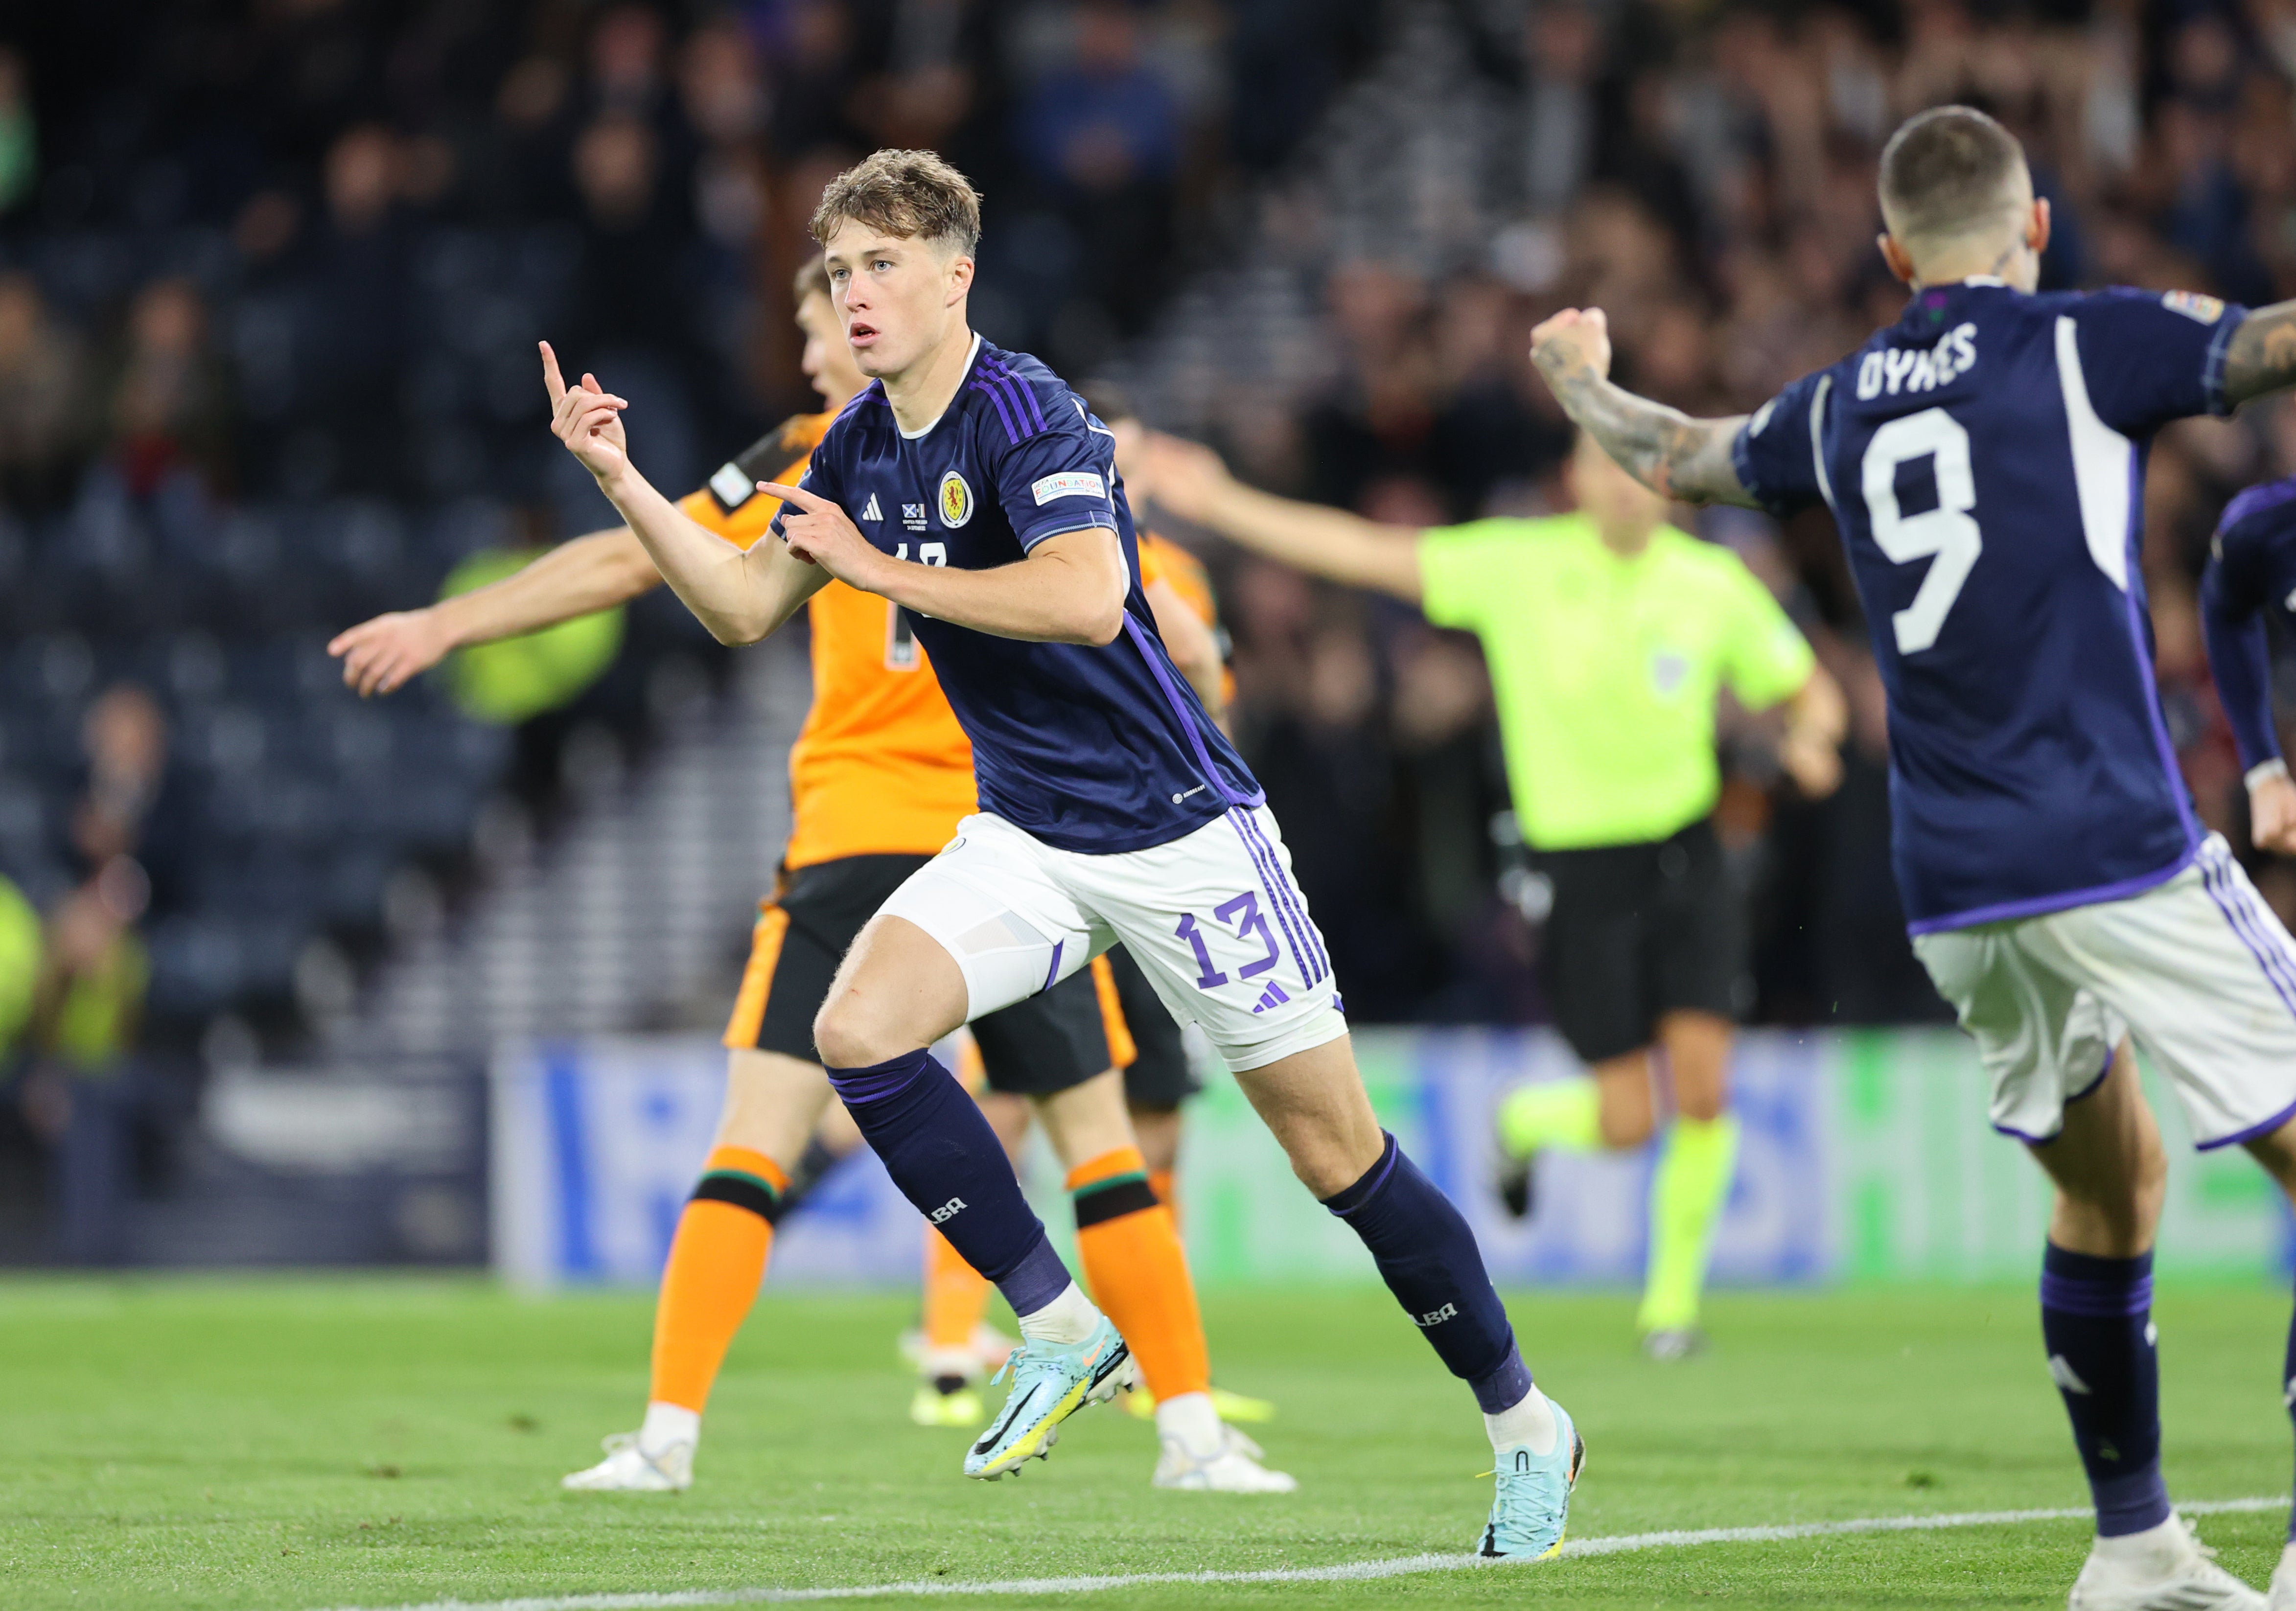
x=1352 y=1572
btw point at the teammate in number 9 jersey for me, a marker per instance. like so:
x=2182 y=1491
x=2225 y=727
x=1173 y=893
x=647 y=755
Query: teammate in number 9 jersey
x=1983 y=459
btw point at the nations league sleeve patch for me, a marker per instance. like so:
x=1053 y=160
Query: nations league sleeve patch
x=1068 y=484
x=2204 y=310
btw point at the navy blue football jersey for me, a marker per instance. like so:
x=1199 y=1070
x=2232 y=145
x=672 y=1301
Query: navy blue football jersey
x=1094 y=749
x=2251 y=574
x=1984 y=459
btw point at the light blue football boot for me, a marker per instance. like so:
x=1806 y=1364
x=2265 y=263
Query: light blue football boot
x=1534 y=1497
x=1050 y=1381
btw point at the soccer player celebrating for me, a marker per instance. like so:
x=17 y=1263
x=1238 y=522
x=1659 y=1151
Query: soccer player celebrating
x=971 y=486
x=1609 y=635
x=881 y=775
x=1983 y=459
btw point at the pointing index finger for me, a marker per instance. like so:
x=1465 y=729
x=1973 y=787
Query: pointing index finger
x=551 y=378
x=813 y=503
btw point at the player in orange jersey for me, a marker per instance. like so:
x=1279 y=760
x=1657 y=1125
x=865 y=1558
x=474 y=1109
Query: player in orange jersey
x=880 y=775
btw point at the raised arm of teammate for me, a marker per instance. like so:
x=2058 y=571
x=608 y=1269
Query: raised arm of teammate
x=1070 y=589
x=1665 y=449
x=741 y=594
x=1191 y=482
x=587 y=574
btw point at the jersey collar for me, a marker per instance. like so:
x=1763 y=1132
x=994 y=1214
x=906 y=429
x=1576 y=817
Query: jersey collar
x=972 y=357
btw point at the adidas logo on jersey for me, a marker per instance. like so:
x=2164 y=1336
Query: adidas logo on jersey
x=1272 y=996
x=870 y=511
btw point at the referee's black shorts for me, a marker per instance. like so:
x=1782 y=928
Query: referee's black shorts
x=1639 y=931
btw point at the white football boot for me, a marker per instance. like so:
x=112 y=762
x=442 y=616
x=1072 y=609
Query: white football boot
x=628 y=1468
x=1234 y=1469
x=2164 y=1568
x=2283 y=1581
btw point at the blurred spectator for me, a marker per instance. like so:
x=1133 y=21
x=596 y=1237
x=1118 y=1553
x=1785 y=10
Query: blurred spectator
x=83 y=1094
x=43 y=400
x=170 y=404
x=1563 y=43
x=1102 y=136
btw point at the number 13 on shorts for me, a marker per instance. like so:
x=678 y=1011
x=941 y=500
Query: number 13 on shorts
x=1243 y=915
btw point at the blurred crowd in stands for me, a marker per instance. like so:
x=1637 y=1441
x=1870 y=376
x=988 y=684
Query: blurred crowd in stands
x=271 y=276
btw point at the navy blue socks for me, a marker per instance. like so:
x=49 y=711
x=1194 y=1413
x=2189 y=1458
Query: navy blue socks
x=2096 y=1321
x=1429 y=1259
x=2288 y=1397
x=946 y=1160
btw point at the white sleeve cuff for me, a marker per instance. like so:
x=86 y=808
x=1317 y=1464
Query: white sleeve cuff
x=2266 y=771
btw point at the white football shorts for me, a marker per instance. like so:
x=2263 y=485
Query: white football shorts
x=2197 y=970
x=1213 y=917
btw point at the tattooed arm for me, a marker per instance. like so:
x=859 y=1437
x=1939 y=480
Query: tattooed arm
x=2261 y=356
x=1663 y=448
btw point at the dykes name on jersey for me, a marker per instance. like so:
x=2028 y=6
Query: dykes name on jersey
x=1911 y=369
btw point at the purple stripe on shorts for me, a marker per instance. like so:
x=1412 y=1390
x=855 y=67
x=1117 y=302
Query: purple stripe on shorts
x=2251 y=1133
x=1289 y=892
x=2216 y=875
x=2098 y=1300
x=1275 y=902
x=2092 y=1087
x=1053 y=974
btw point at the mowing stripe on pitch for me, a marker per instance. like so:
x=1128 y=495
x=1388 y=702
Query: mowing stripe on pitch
x=1350 y=1572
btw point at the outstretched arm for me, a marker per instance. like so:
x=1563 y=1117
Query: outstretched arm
x=1069 y=588
x=740 y=594
x=1665 y=449
x=1192 y=483
x=589 y=573
x=2262 y=355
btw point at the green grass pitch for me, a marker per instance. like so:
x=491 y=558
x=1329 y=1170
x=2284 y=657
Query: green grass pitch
x=300 y=1443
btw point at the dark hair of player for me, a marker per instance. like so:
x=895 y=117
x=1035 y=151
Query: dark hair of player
x=812 y=279
x=1945 y=172
x=913 y=194
x=1108 y=400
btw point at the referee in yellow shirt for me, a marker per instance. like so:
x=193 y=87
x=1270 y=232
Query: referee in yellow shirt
x=1609 y=635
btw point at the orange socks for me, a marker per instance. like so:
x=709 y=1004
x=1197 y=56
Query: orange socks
x=1138 y=1274
x=716 y=1264
x=957 y=1297
x=1160 y=1182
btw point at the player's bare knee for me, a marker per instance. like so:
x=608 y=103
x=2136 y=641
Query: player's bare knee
x=1623 y=1131
x=1704 y=1106
x=849 y=1034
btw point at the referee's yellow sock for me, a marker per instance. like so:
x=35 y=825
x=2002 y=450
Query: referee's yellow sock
x=1687 y=1192
x=1565 y=1115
